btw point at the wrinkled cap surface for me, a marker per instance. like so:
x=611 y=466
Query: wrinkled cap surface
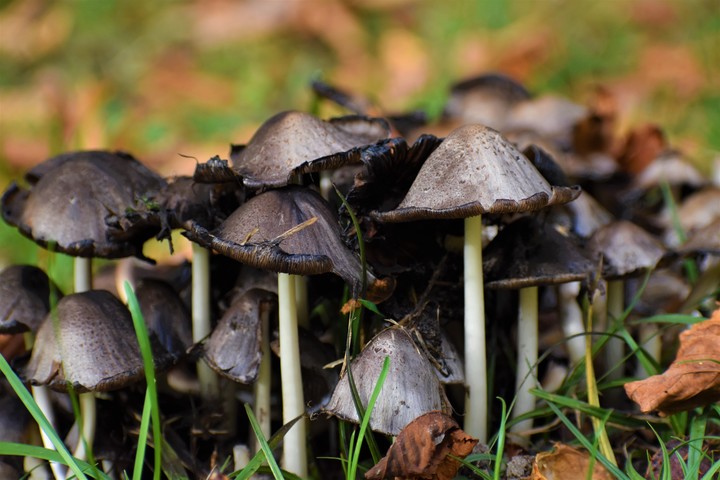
x=529 y=252
x=627 y=249
x=89 y=343
x=250 y=236
x=234 y=349
x=70 y=202
x=296 y=143
x=476 y=171
x=24 y=298
x=411 y=387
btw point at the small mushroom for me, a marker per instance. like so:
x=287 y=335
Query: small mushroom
x=24 y=298
x=165 y=314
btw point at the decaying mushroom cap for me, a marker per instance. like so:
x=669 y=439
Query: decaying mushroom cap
x=24 y=298
x=626 y=249
x=530 y=252
x=704 y=241
x=89 y=342
x=71 y=201
x=165 y=315
x=234 y=348
x=293 y=143
x=411 y=387
x=476 y=171
x=257 y=234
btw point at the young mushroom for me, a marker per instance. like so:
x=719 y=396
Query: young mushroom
x=475 y=171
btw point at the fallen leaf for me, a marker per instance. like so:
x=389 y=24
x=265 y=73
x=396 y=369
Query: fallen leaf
x=642 y=146
x=692 y=380
x=566 y=463
x=423 y=449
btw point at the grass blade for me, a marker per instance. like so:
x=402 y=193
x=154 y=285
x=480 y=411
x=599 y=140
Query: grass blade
x=142 y=437
x=256 y=462
x=23 y=450
x=274 y=468
x=500 y=441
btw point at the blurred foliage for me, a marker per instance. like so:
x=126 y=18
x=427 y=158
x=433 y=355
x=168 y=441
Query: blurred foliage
x=164 y=78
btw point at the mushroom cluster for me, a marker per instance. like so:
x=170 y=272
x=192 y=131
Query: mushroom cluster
x=519 y=208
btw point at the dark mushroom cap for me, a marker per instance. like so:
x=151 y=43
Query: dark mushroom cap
x=257 y=234
x=24 y=298
x=293 y=143
x=234 y=349
x=476 y=171
x=71 y=201
x=165 y=315
x=89 y=341
x=627 y=249
x=530 y=252
x=411 y=387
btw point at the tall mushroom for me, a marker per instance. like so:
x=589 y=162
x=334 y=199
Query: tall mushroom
x=475 y=171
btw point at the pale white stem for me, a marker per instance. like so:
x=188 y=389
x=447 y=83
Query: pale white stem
x=241 y=456
x=527 y=337
x=615 y=347
x=301 y=301
x=42 y=398
x=326 y=186
x=294 y=449
x=83 y=274
x=201 y=315
x=476 y=408
x=264 y=378
x=88 y=414
x=572 y=321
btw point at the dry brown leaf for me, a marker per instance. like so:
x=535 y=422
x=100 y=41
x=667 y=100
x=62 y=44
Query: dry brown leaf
x=642 y=146
x=692 y=380
x=566 y=463
x=423 y=449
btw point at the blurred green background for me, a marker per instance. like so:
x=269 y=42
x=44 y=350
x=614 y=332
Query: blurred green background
x=163 y=78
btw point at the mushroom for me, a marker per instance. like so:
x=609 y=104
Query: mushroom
x=473 y=172
x=24 y=298
x=526 y=254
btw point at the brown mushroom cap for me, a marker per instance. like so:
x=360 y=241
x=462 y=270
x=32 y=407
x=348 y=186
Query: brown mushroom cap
x=89 y=342
x=476 y=171
x=70 y=202
x=165 y=315
x=24 y=298
x=255 y=234
x=529 y=252
x=627 y=249
x=292 y=143
x=411 y=387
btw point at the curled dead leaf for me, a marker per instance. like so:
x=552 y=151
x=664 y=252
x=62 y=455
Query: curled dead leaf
x=692 y=380
x=423 y=449
x=566 y=463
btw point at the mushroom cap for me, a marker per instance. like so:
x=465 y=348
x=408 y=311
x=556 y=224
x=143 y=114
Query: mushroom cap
x=627 y=249
x=704 y=241
x=71 y=201
x=411 y=387
x=292 y=142
x=24 y=298
x=256 y=234
x=234 y=348
x=476 y=171
x=89 y=342
x=695 y=213
x=530 y=252
x=669 y=167
x=165 y=315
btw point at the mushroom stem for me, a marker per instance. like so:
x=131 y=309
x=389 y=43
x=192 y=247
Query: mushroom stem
x=475 y=358
x=88 y=414
x=572 y=321
x=615 y=347
x=301 y=300
x=201 y=315
x=294 y=450
x=527 y=339
x=83 y=274
x=264 y=377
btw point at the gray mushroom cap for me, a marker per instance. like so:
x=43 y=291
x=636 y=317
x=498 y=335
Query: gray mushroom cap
x=88 y=342
x=476 y=171
x=627 y=249
x=411 y=387
x=292 y=143
x=72 y=200
x=24 y=298
x=165 y=315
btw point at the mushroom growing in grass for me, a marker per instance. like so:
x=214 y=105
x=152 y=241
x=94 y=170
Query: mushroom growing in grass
x=293 y=231
x=526 y=254
x=475 y=171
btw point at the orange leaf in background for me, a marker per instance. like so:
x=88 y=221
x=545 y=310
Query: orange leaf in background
x=423 y=449
x=692 y=380
x=642 y=146
x=566 y=463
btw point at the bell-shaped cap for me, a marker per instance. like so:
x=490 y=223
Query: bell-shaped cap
x=627 y=249
x=165 y=315
x=234 y=349
x=24 y=298
x=89 y=342
x=293 y=143
x=72 y=201
x=695 y=213
x=411 y=387
x=476 y=171
x=530 y=252
x=289 y=230
x=705 y=241
x=669 y=167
